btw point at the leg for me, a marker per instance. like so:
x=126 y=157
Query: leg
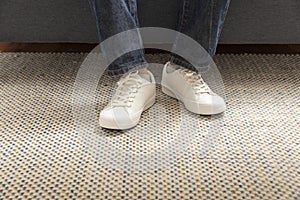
x=203 y=21
x=136 y=90
x=113 y=17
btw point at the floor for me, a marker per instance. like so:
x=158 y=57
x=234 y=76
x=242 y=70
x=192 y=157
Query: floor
x=51 y=146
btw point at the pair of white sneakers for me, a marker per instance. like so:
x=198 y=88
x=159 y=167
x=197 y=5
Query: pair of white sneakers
x=135 y=94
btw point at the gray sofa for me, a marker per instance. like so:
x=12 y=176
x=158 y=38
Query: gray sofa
x=248 y=21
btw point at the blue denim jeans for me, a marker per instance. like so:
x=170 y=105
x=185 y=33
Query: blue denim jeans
x=201 y=20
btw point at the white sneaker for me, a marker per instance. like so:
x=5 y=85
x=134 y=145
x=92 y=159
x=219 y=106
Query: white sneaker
x=133 y=95
x=189 y=87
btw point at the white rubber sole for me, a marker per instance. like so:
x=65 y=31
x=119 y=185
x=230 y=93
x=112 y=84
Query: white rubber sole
x=135 y=119
x=193 y=106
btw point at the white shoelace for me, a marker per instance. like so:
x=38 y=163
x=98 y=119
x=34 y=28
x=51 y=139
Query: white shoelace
x=127 y=88
x=195 y=80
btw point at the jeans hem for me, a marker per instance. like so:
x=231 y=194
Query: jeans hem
x=128 y=67
x=187 y=65
x=182 y=63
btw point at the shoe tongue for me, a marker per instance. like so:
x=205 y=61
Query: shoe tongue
x=145 y=76
x=172 y=67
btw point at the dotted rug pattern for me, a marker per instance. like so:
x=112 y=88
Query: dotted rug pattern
x=255 y=156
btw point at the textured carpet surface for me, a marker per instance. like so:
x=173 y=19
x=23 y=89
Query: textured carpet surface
x=255 y=154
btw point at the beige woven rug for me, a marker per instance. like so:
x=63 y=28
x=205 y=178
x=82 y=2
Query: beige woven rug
x=255 y=156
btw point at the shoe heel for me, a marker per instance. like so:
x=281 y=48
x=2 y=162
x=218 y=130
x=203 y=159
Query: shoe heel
x=168 y=92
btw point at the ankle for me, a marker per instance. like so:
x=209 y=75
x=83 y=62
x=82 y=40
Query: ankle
x=143 y=71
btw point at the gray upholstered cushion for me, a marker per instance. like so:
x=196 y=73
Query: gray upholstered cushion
x=248 y=21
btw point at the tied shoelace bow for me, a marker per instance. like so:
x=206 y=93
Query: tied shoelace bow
x=127 y=88
x=195 y=80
